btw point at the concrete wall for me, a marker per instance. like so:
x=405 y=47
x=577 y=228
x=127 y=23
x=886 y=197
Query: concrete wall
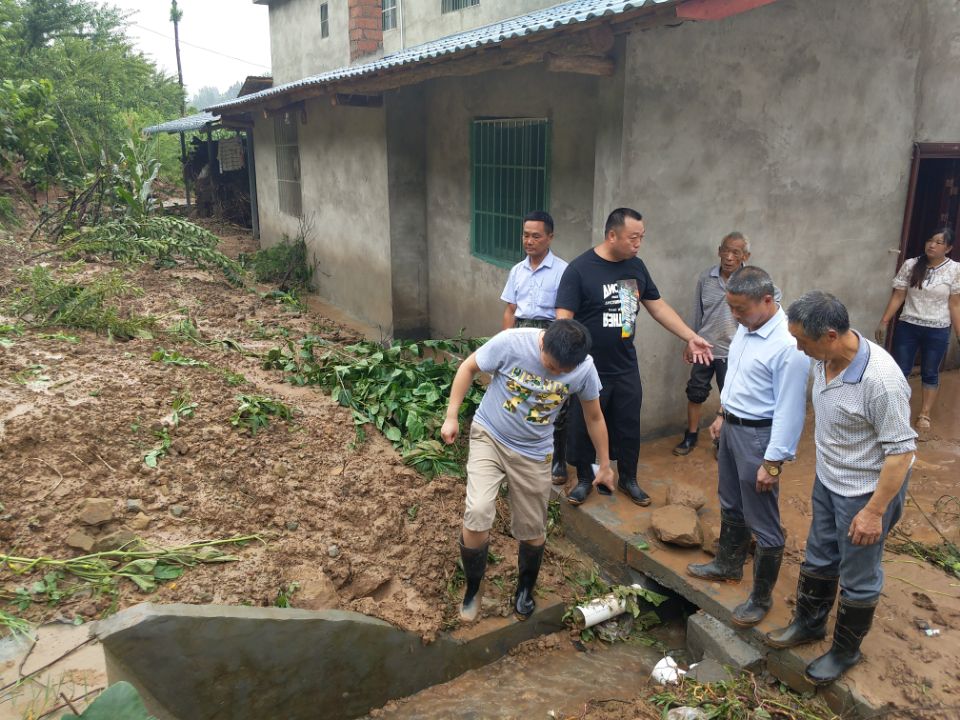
x=423 y=21
x=296 y=48
x=464 y=290
x=792 y=123
x=344 y=189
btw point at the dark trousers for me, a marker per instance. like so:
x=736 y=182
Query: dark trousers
x=698 y=386
x=932 y=343
x=620 y=401
x=740 y=456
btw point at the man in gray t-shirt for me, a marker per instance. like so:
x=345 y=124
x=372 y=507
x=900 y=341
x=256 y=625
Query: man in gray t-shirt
x=532 y=373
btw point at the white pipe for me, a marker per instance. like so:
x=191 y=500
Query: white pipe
x=600 y=609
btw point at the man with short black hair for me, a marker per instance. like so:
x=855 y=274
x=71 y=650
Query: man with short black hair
x=604 y=288
x=865 y=449
x=763 y=405
x=532 y=374
x=531 y=297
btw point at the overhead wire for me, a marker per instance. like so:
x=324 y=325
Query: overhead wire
x=200 y=47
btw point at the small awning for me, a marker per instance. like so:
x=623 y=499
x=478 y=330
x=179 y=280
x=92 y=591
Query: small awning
x=190 y=123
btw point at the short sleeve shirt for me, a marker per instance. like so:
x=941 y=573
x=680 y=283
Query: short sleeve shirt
x=862 y=415
x=523 y=398
x=534 y=292
x=605 y=296
x=928 y=305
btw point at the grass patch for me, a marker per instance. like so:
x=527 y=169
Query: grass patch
x=285 y=264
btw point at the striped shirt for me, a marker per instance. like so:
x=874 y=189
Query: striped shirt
x=862 y=416
x=711 y=314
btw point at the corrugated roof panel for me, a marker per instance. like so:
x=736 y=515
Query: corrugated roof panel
x=184 y=124
x=568 y=13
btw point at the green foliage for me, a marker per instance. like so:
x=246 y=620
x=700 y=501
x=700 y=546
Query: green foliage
x=741 y=698
x=945 y=556
x=13 y=625
x=395 y=388
x=42 y=299
x=102 y=572
x=254 y=412
x=284 y=597
x=8 y=217
x=120 y=701
x=27 y=129
x=152 y=458
x=285 y=265
x=638 y=601
x=161 y=238
x=97 y=84
x=172 y=357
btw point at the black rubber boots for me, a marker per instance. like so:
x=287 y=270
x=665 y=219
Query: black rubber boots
x=731 y=555
x=474 y=566
x=815 y=596
x=766 y=569
x=529 y=559
x=853 y=623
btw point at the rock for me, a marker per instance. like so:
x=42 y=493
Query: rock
x=676 y=524
x=317 y=592
x=134 y=505
x=180 y=446
x=682 y=494
x=80 y=540
x=333 y=551
x=710 y=530
x=279 y=470
x=177 y=510
x=140 y=522
x=95 y=511
x=292 y=524
x=115 y=540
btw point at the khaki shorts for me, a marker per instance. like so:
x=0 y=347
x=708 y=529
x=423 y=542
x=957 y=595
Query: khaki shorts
x=488 y=465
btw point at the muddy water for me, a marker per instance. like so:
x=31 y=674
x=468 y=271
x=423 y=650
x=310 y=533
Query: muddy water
x=551 y=678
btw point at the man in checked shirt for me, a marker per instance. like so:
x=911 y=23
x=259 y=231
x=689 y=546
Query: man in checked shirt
x=865 y=449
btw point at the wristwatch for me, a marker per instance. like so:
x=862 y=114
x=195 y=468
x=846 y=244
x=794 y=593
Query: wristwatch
x=772 y=469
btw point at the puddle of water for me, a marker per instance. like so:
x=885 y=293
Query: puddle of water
x=71 y=678
x=530 y=685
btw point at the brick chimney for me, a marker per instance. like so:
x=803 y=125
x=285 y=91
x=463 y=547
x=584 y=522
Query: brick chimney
x=366 y=34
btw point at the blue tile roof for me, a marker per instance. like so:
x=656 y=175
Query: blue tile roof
x=568 y=13
x=184 y=124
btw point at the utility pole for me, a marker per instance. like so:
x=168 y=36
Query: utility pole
x=175 y=16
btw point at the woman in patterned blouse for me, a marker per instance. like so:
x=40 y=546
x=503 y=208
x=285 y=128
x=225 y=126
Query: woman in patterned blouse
x=928 y=288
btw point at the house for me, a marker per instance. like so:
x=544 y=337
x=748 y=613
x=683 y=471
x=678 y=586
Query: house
x=408 y=136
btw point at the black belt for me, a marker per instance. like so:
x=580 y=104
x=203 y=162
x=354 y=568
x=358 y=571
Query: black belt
x=543 y=324
x=731 y=418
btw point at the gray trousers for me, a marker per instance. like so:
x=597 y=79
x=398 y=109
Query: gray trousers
x=741 y=453
x=830 y=551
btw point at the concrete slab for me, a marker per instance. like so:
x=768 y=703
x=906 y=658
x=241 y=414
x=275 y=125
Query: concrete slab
x=708 y=637
x=237 y=663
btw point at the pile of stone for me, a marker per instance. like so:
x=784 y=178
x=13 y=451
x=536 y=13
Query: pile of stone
x=678 y=522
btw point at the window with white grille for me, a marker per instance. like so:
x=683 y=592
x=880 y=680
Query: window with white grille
x=288 y=163
x=389 y=14
x=447 y=6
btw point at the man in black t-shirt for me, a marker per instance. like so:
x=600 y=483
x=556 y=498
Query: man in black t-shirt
x=603 y=288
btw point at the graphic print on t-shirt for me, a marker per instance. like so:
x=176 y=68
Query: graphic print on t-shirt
x=622 y=301
x=544 y=396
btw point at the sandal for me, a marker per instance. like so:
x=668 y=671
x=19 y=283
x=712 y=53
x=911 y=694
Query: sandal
x=923 y=422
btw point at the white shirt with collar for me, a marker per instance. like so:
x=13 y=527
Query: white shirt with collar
x=534 y=292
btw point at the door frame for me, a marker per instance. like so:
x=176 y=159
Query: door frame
x=921 y=151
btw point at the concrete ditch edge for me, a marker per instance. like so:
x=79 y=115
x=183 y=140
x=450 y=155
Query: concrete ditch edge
x=598 y=531
x=238 y=663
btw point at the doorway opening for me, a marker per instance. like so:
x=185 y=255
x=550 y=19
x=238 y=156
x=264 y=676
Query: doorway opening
x=933 y=198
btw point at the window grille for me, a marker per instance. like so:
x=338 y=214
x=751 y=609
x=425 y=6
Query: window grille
x=324 y=21
x=288 y=163
x=389 y=11
x=447 y=6
x=510 y=164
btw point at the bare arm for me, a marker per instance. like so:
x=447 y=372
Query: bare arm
x=564 y=314
x=597 y=430
x=867 y=525
x=698 y=349
x=458 y=391
x=509 y=316
x=895 y=303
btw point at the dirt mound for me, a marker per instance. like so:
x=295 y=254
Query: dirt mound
x=342 y=522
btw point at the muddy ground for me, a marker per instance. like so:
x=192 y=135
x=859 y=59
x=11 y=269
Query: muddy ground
x=345 y=524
